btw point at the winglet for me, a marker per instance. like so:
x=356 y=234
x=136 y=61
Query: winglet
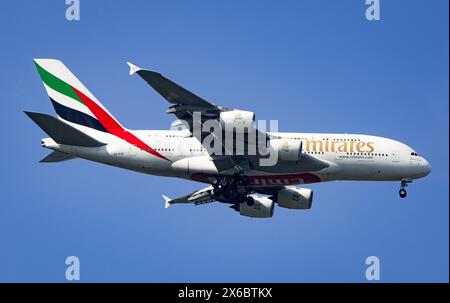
x=167 y=199
x=133 y=68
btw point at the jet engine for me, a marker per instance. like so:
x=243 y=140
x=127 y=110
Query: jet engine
x=239 y=120
x=288 y=150
x=295 y=197
x=262 y=207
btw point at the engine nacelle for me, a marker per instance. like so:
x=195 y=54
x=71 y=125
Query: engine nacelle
x=288 y=150
x=295 y=197
x=239 y=120
x=261 y=208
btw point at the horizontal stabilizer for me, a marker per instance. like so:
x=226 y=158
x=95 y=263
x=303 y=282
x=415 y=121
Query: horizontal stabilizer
x=61 y=132
x=57 y=156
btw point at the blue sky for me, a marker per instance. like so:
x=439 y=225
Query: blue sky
x=317 y=66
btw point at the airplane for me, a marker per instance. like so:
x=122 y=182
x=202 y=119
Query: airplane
x=85 y=129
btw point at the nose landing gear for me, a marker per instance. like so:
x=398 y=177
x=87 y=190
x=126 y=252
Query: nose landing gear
x=402 y=191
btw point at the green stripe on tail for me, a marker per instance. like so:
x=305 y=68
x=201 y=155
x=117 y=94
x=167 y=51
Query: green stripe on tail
x=57 y=84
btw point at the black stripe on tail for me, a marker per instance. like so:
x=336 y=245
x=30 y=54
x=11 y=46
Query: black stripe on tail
x=77 y=117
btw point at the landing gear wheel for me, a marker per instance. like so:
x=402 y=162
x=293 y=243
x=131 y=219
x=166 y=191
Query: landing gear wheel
x=214 y=182
x=217 y=192
x=403 y=184
x=223 y=182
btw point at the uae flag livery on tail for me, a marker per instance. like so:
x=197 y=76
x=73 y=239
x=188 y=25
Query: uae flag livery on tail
x=73 y=102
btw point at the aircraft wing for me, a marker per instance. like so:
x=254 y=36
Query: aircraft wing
x=184 y=102
x=171 y=91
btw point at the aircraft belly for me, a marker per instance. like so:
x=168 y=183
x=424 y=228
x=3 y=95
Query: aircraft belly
x=267 y=180
x=372 y=171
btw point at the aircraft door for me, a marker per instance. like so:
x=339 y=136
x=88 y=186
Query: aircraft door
x=182 y=147
x=395 y=156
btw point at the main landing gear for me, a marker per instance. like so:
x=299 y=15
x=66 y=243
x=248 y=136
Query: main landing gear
x=402 y=191
x=228 y=188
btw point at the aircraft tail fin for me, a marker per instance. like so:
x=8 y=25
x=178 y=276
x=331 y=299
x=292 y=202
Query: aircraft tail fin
x=57 y=156
x=61 y=132
x=72 y=101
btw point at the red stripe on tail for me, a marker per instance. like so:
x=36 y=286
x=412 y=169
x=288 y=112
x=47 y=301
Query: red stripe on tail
x=113 y=127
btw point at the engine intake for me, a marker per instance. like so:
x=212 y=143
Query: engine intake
x=288 y=150
x=261 y=208
x=295 y=198
x=237 y=121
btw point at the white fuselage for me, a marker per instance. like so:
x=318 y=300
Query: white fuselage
x=349 y=157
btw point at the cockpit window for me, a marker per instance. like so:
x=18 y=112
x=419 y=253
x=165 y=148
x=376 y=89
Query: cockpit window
x=414 y=154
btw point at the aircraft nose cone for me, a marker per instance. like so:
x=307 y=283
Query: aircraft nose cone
x=426 y=167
